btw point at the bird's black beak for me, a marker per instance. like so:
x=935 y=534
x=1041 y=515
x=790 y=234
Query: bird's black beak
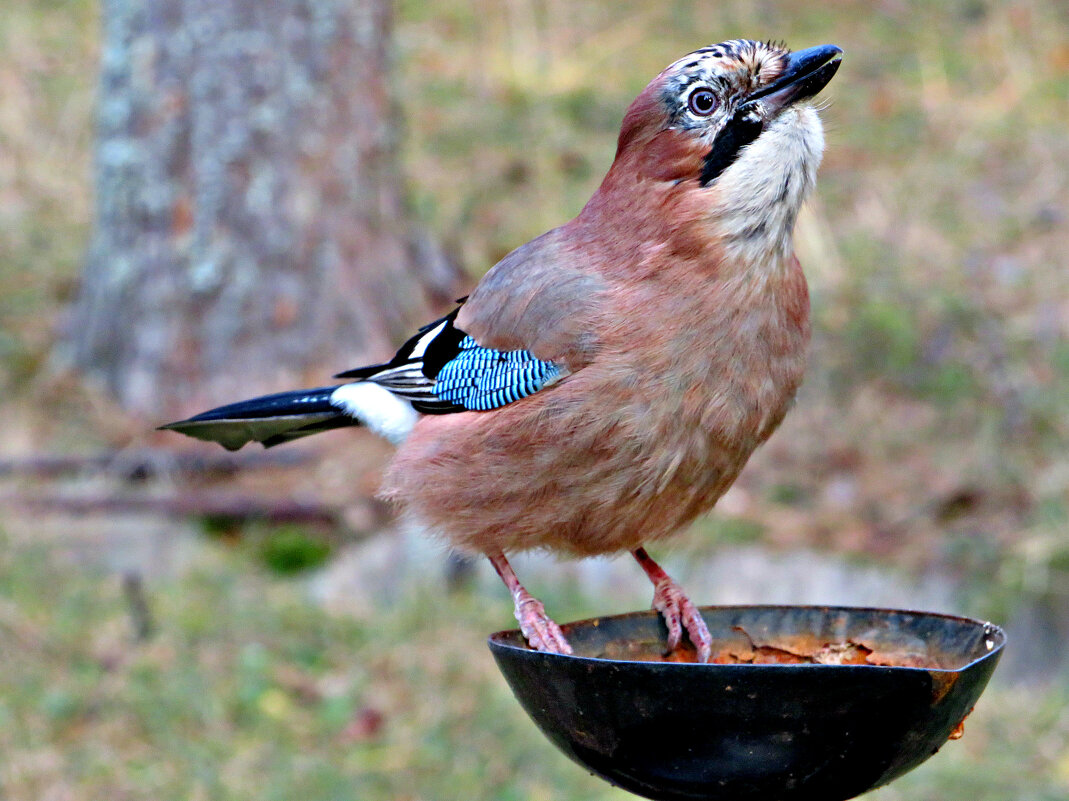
x=808 y=71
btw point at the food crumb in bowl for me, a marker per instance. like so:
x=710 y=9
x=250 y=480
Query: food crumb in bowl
x=784 y=650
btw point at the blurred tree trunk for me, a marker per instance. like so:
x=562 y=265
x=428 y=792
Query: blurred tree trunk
x=250 y=222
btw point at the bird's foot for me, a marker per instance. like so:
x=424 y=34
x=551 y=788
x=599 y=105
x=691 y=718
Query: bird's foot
x=680 y=613
x=541 y=632
x=676 y=608
x=537 y=627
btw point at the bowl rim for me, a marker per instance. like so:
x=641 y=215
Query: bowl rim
x=991 y=630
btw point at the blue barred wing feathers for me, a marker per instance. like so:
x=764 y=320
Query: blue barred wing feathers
x=481 y=379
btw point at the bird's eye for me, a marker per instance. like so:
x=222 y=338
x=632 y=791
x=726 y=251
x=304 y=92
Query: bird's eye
x=702 y=102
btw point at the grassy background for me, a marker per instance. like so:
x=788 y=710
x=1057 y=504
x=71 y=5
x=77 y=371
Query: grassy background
x=250 y=691
x=932 y=432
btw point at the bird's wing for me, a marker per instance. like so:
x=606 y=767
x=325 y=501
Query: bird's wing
x=528 y=324
x=442 y=369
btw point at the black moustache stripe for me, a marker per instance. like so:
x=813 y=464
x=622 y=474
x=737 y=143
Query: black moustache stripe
x=733 y=137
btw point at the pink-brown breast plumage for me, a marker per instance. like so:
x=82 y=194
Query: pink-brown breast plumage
x=694 y=369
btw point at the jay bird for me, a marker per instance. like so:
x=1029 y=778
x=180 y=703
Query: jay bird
x=605 y=383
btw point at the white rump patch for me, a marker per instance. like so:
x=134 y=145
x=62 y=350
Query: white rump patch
x=377 y=408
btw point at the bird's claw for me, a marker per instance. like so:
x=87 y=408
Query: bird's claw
x=541 y=632
x=679 y=614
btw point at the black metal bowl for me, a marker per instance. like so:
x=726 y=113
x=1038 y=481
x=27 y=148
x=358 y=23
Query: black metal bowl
x=819 y=703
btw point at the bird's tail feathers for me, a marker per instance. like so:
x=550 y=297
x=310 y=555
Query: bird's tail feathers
x=269 y=419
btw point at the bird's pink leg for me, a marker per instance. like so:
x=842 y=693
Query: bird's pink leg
x=541 y=632
x=676 y=608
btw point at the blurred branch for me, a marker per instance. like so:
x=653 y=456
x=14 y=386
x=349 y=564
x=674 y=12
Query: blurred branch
x=201 y=503
x=146 y=463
